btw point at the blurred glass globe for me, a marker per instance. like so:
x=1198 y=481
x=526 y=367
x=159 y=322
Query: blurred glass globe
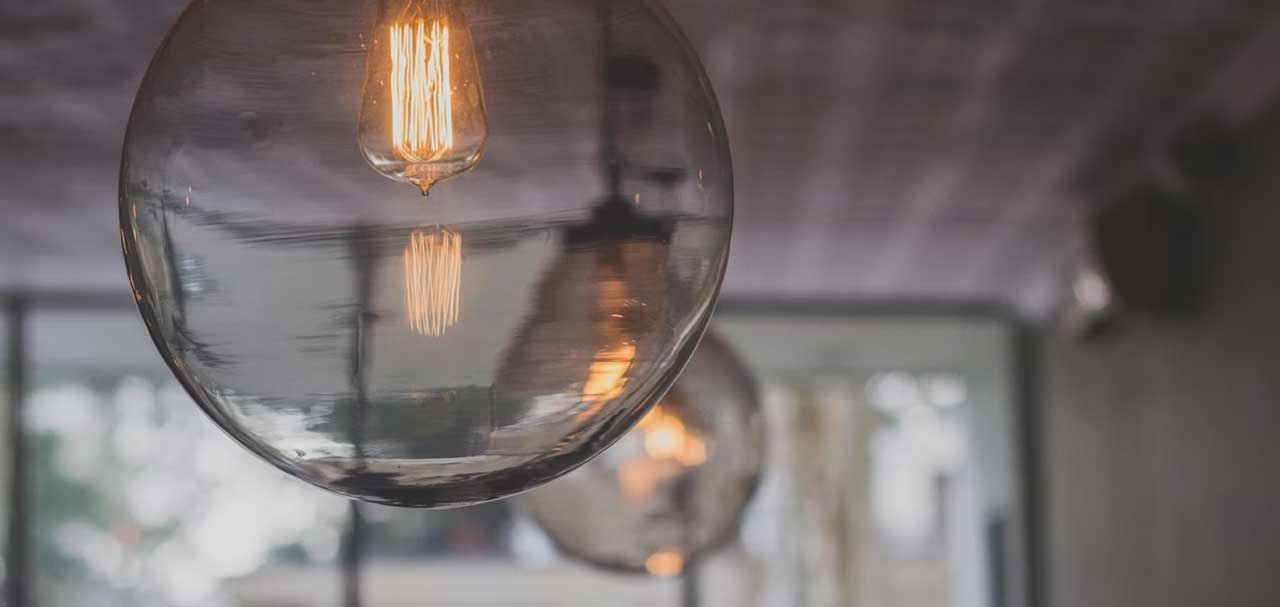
x=425 y=351
x=675 y=486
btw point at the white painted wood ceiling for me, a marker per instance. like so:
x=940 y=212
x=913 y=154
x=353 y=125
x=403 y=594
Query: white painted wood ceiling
x=884 y=150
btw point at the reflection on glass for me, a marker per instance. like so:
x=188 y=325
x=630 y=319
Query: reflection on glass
x=608 y=374
x=423 y=117
x=607 y=287
x=433 y=281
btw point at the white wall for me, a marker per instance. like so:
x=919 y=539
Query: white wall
x=1163 y=443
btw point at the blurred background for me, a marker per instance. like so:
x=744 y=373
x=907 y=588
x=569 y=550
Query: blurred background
x=1003 y=271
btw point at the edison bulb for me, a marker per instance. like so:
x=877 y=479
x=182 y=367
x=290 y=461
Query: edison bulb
x=422 y=118
x=426 y=353
x=674 y=487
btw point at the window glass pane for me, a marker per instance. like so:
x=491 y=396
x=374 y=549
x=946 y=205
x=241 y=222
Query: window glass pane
x=890 y=480
x=140 y=500
x=892 y=473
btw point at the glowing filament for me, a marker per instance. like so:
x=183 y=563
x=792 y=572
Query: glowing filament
x=433 y=281
x=421 y=97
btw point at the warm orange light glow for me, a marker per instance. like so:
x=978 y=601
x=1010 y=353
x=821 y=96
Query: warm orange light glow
x=608 y=373
x=667 y=437
x=664 y=437
x=433 y=281
x=421 y=95
x=607 y=377
x=638 y=478
x=693 y=453
x=665 y=563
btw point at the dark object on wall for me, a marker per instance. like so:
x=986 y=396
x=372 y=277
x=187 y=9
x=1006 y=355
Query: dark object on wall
x=1206 y=152
x=1148 y=243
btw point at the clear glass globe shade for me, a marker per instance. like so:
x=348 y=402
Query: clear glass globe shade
x=673 y=488
x=440 y=350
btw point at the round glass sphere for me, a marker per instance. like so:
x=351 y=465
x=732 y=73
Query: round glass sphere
x=674 y=487
x=417 y=350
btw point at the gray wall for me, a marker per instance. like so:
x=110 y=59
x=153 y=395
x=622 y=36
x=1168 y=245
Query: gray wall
x=1162 y=452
